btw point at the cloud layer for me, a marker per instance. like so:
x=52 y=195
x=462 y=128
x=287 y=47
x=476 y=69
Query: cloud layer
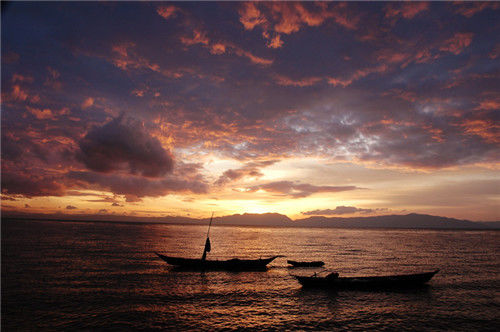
x=116 y=97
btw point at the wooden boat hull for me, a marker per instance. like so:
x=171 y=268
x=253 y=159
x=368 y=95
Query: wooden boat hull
x=234 y=264
x=382 y=282
x=306 y=264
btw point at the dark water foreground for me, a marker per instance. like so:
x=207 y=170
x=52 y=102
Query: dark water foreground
x=105 y=276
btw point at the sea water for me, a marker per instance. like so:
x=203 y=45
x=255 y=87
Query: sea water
x=94 y=276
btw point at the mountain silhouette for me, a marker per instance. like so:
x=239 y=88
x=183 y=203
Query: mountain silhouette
x=412 y=220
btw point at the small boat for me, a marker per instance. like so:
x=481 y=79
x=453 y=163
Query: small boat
x=234 y=264
x=204 y=264
x=379 y=282
x=306 y=264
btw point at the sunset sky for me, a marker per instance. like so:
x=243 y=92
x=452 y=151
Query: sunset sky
x=317 y=108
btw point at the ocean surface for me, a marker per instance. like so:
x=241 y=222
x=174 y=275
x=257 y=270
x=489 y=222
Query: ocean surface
x=94 y=276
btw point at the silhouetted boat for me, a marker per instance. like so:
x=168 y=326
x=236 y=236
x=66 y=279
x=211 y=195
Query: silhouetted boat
x=234 y=264
x=386 y=282
x=306 y=264
x=203 y=264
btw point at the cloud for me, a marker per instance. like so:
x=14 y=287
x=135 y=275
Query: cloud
x=253 y=58
x=18 y=93
x=217 y=48
x=167 y=11
x=276 y=18
x=30 y=185
x=124 y=144
x=488 y=130
x=251 y=169
x=358 y=74
x=222 y=47
x=457 y=43
x=136 y=187
x=286 y=81
x=199 y=37
x=407 y=10
x=296 y=189
x=274 y=42
x=250 y=15
x=124 y=57
x=41 y=114
x=88 y=102
x=339 y=210
x=71 y=207
x=469 y=9
x=7 y=198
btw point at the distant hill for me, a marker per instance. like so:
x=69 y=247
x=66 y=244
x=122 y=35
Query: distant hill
x=413 y=220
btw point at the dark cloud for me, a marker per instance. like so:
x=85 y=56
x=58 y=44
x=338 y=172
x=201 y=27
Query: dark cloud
x=298 y=190
x=8 y=198
x=250 y=169
x=71 y=207
x=339 y=210
x=124 y=144
x=32 y=185
x=136 y=187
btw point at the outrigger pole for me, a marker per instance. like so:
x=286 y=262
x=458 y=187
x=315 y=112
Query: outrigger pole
x=207 y=242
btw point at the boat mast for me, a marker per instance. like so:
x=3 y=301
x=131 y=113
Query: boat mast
x=207 y=242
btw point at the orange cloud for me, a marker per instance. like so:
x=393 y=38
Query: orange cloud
x=199 y=37
x=407 y=10
x=18 y=93
x=122 y=49
x=275 y=42
x=286 y=81
x=88 y=102
x=126 y=58
x=290 y=20
x=41 y=114
x=343 y=17
x=138 y=92
x=294 y=15
x=217 y=48
x=290 y=17
x=486 y=129
x=457 y=43
x=357 y=75
x=255 y=59
x=469 y=9
x=167 y=11
x=489 y=104
x=250 y=15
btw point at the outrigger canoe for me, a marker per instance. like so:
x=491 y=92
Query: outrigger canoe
x=376 y=282
x=234 y=264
